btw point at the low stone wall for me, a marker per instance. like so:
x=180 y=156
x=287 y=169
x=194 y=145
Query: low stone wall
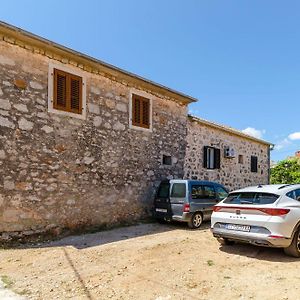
x=62 y=172
x=232 y=174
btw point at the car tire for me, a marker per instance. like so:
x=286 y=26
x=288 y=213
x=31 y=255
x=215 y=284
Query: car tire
x=225 y=242
x=294 y=248
x=195 y=221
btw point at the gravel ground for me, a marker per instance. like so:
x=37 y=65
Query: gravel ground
x=149 y=261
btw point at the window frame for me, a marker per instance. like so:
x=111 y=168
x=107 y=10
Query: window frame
x=211 y=162
x=71 y=72
x=142 y=94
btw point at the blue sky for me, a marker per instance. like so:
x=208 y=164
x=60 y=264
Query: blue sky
x=241 y=59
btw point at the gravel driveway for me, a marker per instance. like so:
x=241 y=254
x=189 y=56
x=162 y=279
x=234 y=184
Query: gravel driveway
x=150 y=261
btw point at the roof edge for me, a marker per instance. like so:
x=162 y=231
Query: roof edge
x=36 y=40
x=228 y=129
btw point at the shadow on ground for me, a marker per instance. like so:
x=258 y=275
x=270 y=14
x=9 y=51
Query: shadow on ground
x=114 y=235
x=257 y=252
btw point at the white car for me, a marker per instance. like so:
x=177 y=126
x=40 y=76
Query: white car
x=264 y=215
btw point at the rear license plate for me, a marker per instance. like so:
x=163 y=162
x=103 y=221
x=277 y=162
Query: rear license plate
x=237 y=227
x=161 y=210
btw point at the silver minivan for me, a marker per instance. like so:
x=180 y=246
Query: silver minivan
x=188 y=201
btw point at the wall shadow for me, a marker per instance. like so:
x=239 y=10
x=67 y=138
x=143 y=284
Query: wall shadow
x=87 y=240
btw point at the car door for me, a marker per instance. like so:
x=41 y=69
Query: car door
x=209 y=195
x=202 y=199
x=162 y=205
x=178 y=197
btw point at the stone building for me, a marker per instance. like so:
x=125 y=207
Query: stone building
x=84 y=144
x=226 y=155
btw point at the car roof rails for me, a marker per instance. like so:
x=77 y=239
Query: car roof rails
x=284 y=186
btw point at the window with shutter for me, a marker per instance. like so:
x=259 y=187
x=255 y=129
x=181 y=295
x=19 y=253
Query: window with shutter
x=67 y=92
x=211 y=158
x=140 y=111
x=254 y=164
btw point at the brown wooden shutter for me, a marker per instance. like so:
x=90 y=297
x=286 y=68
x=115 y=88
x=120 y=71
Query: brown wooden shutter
x=60 y=90
x=136 y=110
x=145 y=113
x=67 y=92
x=75 y=94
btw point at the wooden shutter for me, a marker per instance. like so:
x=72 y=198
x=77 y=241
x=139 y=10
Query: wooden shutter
x=75 y=94
x=60 y=90
x=67 y=92
x=136 y=111
x=140 y=111
x=217 y=158
x=145 y=113
x=254 y=164
x=205 y=156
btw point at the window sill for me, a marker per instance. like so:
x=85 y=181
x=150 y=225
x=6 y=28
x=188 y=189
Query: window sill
x=67 y=114
x=140 y=128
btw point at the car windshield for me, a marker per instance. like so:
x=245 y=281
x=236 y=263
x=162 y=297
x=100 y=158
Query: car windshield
x=178 y=190
x=251 y=198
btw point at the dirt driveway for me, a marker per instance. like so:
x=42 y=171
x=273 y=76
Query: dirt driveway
x=150 y=261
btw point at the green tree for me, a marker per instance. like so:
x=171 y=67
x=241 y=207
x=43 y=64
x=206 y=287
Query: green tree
x=286 y=171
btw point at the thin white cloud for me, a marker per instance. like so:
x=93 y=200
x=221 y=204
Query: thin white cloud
x=282 y=144
x=294 y=136
x=254 y=132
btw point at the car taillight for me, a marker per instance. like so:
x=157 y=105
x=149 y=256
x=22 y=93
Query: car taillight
x=216 y=208
x=186 y=207
x=275 y=211
x=268 y=211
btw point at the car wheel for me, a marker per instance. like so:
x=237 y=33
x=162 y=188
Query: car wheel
x=196 y=220
x=294 y=248
x=224 y=241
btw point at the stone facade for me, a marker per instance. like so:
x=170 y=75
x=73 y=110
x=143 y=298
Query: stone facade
x=61 y=172
x=232 y=173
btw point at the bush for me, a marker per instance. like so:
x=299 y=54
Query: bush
x=286 y=171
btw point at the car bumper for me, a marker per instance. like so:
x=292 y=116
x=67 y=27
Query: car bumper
x=185 y=217
x=252 y=238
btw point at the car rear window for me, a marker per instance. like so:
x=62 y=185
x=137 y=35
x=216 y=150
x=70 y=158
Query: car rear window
x=178 y=190
x=163 y=190
x=251 y=198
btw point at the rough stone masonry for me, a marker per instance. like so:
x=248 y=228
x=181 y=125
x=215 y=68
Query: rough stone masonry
x=60 y=172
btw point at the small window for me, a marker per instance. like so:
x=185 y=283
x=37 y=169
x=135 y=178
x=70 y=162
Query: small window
x=208 y=192
x=254 y=164
x=178 y=190
x=211 y=159
x=197 y=192
x=221 y=193
x=167 y=160
x=67 y=92
x=140 y=111
x=241 y=159
x=294 y=194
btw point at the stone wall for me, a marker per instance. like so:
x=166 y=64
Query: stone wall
x=61 y=172
x=232 y=174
